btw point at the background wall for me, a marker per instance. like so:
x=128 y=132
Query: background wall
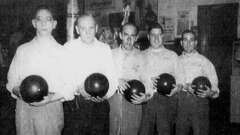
x=170 y=9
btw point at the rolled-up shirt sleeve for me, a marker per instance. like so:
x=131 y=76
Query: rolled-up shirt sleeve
x=13 y=77
x=111 y=73
x=212 y=75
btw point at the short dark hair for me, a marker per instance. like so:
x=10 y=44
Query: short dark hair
x=129 y=24
x=155 y=26
x=189 y=31
x=44 y=7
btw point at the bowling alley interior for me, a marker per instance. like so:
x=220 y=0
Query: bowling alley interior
x=215 y=22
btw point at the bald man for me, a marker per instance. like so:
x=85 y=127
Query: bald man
x=125 y=117
x=88 y=115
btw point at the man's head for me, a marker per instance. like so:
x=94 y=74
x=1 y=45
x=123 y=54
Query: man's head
x=44 y=20
x=86 y=27
x=155 y=35
x=189 y=42
x=128 y=35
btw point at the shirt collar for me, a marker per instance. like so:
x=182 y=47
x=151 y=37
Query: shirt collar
x=45 y=41
x=157 y=49
x=189 y=54
x=127 y=51
x=93 y=43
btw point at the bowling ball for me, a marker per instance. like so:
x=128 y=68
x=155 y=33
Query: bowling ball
x=200 y=83
x=165 y=83
x=96 y=85
x=33 y=88
x=136 y=87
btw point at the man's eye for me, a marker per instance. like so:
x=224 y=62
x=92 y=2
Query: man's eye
x=49 y=19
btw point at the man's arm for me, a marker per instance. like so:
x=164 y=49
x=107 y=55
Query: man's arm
x=14 y=74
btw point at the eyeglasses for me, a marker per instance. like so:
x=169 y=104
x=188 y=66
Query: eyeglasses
x=47 y=19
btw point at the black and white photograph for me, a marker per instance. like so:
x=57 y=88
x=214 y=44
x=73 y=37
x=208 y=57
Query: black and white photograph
x=119 y=67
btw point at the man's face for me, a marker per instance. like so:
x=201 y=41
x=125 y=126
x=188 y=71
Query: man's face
x=156 y=37
x=86 y=28
x=188 y=42
x=128 y=36
x=44 y=22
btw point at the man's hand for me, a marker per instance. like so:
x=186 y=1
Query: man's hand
x=176 y=89
x=81 y=91
x=189 y=88
x=16 y=91
x=154 y=81
x=123 y=85
x=46 y=100
x=205 y=93
x=95 y=99
x=140 y=99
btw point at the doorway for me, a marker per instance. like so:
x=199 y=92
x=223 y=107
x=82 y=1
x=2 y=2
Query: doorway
x=217 y=30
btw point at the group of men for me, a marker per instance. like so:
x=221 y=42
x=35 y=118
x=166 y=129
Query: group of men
x=65 y=69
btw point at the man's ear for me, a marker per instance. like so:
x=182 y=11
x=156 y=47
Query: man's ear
x=76 y=28
x=121 y=36
x=136 y=38
x=34 y=23
x=195 y=43
x=54 y=24
x=96 y=28
x=181 y=42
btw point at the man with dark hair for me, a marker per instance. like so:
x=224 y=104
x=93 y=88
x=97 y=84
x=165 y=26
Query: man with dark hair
x=159 y=110
x=155 y=26
x=125 y=117
x=194 y=109
x=41 y=56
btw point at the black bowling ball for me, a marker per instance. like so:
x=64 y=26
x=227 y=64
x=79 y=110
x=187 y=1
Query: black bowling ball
x=136 y=87
x=200 y=83
x=33 y=89
x=165 y=83
x=96 y=85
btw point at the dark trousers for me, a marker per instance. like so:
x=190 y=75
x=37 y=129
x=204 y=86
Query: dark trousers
x=7 y=113
x=193 y=112
x=85 y=117
x=158 y=115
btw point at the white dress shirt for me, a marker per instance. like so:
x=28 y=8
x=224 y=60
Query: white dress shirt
x=87 y=59
x=159 y=61
x=128 y=63
x=196 y=65
x=43 y=57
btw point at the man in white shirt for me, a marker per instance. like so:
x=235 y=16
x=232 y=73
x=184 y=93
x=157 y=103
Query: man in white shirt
x=41 y=56
x=160 y=109
x=194 y=109
x=90 y=115
x=125 y=117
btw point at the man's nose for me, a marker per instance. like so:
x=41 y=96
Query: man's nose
x=43 y=22
x=188 y=42
x=87 y=31
x=129 y=39
x=156 y=39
